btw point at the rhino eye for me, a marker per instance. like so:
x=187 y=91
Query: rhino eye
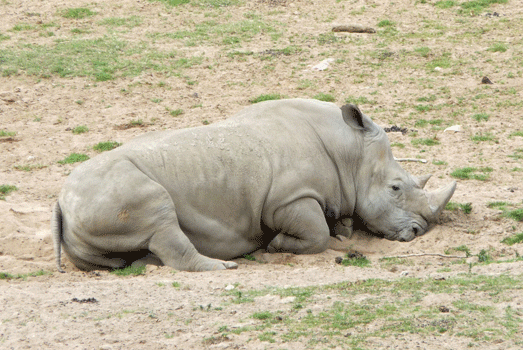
x=395 y=188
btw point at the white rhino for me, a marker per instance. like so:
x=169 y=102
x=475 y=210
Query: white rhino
x=270 y=177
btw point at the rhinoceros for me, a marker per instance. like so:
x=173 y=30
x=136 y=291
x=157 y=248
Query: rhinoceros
x=270 y=177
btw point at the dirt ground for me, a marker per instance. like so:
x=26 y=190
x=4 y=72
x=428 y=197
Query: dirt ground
x=144 y=312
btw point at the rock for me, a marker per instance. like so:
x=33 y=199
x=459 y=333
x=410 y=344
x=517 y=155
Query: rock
x=404 y=273
x=486 y=80
x=455 y=128
x=7 y=96
x=323 y=64
x=229 y=287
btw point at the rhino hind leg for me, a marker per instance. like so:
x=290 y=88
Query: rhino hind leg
x=125 y=225
x=174 y=249
x=303 y=229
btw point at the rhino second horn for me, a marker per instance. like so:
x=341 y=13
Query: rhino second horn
x=422 y=180
x=438 y=199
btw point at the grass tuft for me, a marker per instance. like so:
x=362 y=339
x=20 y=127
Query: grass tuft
x=5 y=190
x=266 y=97
x=130 y=271
x=324 y=97
x=106 y=146
x=514 y=239
x=359 y=261
x=465 y=207
x=4 y=133
x=77 y=13
x=469 y=173
x=74 y=158
x=80 y=129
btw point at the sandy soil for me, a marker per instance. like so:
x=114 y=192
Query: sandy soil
x=145 y=312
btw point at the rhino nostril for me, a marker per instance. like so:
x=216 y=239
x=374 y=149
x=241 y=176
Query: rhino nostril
x=415 y=230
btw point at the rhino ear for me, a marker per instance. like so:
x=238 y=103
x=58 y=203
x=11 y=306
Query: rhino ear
x=355 y=119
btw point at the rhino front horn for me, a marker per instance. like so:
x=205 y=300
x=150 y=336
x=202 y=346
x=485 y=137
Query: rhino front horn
x=438 y=199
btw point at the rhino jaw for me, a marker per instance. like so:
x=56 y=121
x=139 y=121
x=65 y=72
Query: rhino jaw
x=438 y=199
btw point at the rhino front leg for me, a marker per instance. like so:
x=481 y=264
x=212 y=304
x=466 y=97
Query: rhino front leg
x=303 y=228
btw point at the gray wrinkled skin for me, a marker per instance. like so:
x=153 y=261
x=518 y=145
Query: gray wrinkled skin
x=267 y=177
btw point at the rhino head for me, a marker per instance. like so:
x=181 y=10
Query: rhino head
x=390 y=201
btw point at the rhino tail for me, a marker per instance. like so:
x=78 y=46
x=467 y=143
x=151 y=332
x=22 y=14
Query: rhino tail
x=56 y=230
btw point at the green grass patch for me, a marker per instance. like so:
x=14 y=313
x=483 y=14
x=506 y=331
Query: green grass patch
x=130 y=271
x=106 y=146
x=518 y=154
x=445 y=4
x=362 y=100
x=483 y=137
x=324 y=97
x=359 y=261
x=514 y=239
x=22 y=27
x=425 y=142
x=462 y=248
x=507 y=211
x=471 y=173
x=229 y=33
x=465 y=207
x=480 y=117
x=173 y=3
x=396 y=308
x=423 y=51
x=439 y=162
x=217 y=3
x=23 y=276
x=29 y=167
x=386 y=23
x=80 y=129
x=102 y=59
x=397 y=144
x=176 y=112
x=5 y=190
x=498 y=47
x=77 y=13
x=516 y=214
x=423 y=122
x=74 y=158
x=516 y=133
x=266 y=97
x=475 y=7
x=5 y=133
x=444 y=61
x=129 y=22
x=249 y=257
x=263 y=315
x=484 y=256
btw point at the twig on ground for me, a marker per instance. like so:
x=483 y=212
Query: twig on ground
x=410 y=160
x=353 y=29
x=425 y=254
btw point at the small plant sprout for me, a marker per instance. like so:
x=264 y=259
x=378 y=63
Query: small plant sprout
x=80 y=129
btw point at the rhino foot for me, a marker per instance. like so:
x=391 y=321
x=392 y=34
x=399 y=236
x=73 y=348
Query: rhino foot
x=213 y=265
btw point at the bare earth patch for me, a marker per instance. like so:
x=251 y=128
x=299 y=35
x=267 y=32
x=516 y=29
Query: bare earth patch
x=120 y=69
